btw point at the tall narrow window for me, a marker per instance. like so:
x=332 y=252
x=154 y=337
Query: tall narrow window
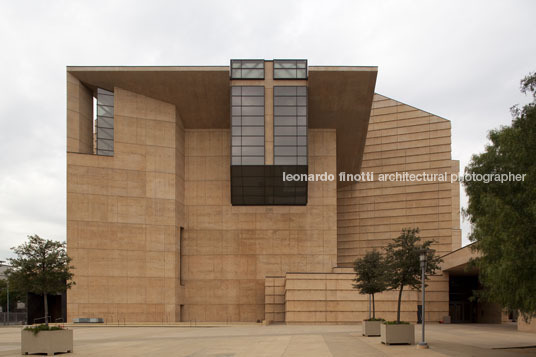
x=105 y=122
x=247 y=125
x=181 y=256
x=290 y=125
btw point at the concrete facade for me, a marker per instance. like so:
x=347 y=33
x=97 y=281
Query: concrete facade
x=153 y=234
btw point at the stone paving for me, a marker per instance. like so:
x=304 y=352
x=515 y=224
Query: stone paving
x=283 y=340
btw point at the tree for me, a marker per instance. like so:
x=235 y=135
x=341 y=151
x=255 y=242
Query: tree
x=402 y=258
x=503 y=215
x=41 y=267
x=14 y=296
x=370 y=276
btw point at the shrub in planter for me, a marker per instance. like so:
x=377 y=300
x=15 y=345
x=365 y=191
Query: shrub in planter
x=371 y=279
x=46 y=339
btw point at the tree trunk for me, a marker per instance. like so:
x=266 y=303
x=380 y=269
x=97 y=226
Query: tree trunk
x=46 y=307
x=373 y=308
x=399 y=301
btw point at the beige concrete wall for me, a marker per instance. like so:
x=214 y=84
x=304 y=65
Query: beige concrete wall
x=330 y=298
x=122 y=217
x=489 y=313
x=79 y=116
x=370 y=214
x=229 y=250
x=525 y=326
x=402 y=138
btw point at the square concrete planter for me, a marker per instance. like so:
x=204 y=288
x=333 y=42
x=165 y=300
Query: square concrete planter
x=371 y=328
x=48 y=342
x=398 y=334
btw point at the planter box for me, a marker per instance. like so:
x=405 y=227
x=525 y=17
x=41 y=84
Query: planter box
x=48 y=342
x=371 y=328
x=398 y=334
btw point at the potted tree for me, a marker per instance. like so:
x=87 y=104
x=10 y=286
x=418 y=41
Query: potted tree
x=402 y=258
x=371 y=279
x=42 y=267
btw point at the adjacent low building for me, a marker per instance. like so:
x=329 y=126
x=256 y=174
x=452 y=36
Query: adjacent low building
x=177 y=209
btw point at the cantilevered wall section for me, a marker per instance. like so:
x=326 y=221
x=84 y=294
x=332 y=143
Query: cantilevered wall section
x=370 y=214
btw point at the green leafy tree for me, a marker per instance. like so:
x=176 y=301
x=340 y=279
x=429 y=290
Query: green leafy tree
x=503 y=215
x=14 y=296
x=403 y=259
x=371 y=276
x=41 y=267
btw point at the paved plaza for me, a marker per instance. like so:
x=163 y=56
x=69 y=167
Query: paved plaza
x=283 y=340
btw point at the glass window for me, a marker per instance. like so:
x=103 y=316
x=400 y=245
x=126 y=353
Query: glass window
x=252 y=130
x=290 y=69
x=104 y=144
x=284 y=91
x=284 y=101
x=287 y=160
x=253 y=111
x=253 y=91
x=105 y=99
x=247 y=69
x=236 y=100
x=252 y=140
x=253 y=151
x=285 y=121
x=285 y=151
x=252 y=160
x=236 y=121
x=290 y=124
x=247 y=127
x=284 y=140
x=103 y=110
x=287 y=111
x=104 y=123
x=253 y=121
x=285 y=131
x=106 y=133
x=256 y=101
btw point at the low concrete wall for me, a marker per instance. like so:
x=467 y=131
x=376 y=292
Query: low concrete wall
x=526 y=326
x=331 y=298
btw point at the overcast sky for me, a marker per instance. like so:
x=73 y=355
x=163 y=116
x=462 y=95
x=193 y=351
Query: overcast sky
x=462 y=60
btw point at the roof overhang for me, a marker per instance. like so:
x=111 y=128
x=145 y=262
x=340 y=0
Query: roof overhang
x=339 y=98
x=457 y=261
